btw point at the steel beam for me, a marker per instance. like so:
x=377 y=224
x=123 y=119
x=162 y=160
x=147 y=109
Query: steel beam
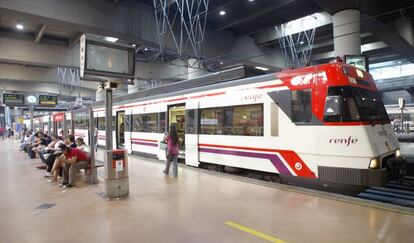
x=39 y=33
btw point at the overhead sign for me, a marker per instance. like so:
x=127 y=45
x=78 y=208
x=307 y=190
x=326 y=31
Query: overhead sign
x=13 y=99
x=48 y=100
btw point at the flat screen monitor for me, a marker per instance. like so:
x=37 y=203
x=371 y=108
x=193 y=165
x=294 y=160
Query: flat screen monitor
x=358 y=61
x=101 y=59
x=13 y=99
x=48 y=100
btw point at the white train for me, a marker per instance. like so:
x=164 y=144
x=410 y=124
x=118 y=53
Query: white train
x=323 y=125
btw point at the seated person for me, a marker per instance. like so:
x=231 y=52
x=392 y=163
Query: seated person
x=25 y=140
x=51 y=159
x=70 y=141
x=82 y=146
x=73 y=159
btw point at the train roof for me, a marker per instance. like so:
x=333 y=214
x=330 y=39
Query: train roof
x=181 y=87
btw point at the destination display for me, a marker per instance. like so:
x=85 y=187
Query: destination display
x=48 y=100
x=13 y=99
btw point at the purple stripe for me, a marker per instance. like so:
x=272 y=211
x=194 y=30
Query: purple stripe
x=272 y=157
x=145 y=144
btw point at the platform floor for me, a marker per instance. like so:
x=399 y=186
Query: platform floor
x=195 y=207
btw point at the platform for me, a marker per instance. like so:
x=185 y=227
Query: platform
x=198 y=206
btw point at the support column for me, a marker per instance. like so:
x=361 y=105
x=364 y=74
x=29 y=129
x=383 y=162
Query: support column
x=31 y=118
x=347 y=32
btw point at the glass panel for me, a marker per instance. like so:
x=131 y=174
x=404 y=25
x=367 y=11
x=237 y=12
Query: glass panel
x=145 y=122
x=128 y=123
x=301 y=105
x=136 y=123
x=211 y=121
x=191 y=122
x=162 y=123
x=244 y=120
x=101 y=123
x=358 y=105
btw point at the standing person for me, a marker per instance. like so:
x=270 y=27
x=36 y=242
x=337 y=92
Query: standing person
x=2 y=131
x=172 y=151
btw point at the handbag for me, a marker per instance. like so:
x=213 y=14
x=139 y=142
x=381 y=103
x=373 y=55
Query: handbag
x=163 y=145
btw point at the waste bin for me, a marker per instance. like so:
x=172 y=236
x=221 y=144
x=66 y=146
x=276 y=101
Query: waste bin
x=116 y=174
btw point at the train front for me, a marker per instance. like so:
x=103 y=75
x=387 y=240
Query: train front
x=358 y=131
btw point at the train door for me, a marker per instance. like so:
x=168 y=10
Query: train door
x=191 y=134
x=176 y=117
x=120 y=129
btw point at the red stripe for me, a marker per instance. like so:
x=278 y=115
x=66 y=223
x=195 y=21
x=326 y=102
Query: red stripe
x=244 y=148
x=146 y=140
x=271 y=86
x=290 y=156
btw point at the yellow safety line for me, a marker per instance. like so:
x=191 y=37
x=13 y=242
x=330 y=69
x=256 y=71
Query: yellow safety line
x=254 y=232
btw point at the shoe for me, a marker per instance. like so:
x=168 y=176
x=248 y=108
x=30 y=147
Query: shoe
x=63 y=184
x=51 y=181
x=165 y=172
x=42 y=167
x=68 y=186
x=47 y=175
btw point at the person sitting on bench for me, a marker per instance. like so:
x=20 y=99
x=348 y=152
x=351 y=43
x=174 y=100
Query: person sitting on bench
x=73 y=160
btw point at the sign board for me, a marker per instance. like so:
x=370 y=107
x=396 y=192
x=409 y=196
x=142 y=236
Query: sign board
x=102 y=59
x=13 y=99
x=401 y=103
x=48 y=100
x=358 y=61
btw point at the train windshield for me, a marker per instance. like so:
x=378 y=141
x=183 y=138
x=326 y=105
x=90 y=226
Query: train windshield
x=345 y=103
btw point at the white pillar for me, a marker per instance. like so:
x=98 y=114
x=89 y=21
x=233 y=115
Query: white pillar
x=347 y=32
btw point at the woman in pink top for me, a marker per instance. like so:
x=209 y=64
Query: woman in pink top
x=172 y=150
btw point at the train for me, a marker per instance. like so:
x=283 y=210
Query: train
x=322 y=126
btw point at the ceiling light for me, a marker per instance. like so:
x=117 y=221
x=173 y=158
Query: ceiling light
x=301 y=42
x=133 y=45
x=262 y=68
x=222 y=12
x=110 y=39
x=221 y=63
x=399 y=62
x=146 y=49
x=19 y=26
x=251 y=0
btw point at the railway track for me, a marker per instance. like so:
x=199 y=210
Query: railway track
x=393 y=192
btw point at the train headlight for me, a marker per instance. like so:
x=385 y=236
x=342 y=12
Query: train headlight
x=375 y=163
x=397 y=153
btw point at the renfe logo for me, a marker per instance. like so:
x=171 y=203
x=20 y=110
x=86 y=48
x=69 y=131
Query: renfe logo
x=347 y=141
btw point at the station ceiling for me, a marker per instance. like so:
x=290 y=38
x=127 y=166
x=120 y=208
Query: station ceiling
x=387 y=29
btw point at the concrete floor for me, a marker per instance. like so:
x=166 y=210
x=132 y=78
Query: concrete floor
x=192 y=208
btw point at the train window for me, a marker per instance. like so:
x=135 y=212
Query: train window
x=162 y=122
x=101 y=123
x=135 y=123
x=81 y=123
x=127 y=126
x=245 y=120
x=211 y=121
x=302 y=105
x=145 y=122
x=191 y=122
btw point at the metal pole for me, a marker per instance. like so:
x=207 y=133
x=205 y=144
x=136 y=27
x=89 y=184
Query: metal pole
x=72 y=122
x=49 y=126
x=108 y=120
x=402 y=120
x=31 y=118
x=94 y=179
x=65 y=126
